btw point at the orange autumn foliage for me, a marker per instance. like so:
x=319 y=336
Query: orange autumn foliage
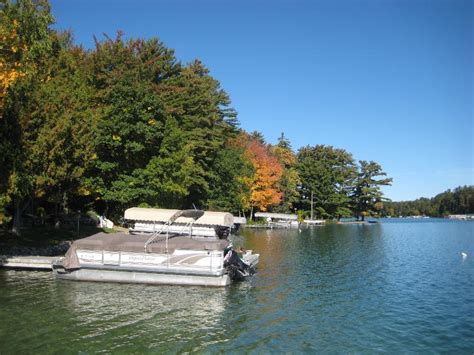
x=264 y=191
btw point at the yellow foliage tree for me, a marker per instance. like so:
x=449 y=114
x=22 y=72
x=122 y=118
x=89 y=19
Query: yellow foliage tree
x=24 y=40
x=12 y=50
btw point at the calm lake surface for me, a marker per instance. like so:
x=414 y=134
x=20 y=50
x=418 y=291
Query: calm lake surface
x=396 y=286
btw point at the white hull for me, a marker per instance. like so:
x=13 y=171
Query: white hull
x=180 y=261
x=284 y=224
x=182 y=267
x=143 y=277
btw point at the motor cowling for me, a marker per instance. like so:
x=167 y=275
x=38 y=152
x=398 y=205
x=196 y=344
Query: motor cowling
x=236 y=268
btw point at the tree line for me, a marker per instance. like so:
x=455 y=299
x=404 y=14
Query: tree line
x=126 y=124
x=457 y=201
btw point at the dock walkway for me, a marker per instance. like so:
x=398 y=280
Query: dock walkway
x=28 y=262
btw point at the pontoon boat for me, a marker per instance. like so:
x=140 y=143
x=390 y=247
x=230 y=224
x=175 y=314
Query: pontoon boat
x=188 y=247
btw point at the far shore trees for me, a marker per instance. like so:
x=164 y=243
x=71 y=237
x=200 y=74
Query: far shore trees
x=457 y=201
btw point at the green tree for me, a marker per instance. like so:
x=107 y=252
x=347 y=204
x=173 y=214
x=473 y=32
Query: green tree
x=26 y=43
x=290 y=179
x=164 y=181
x=122 y=124
x=159 y=121
x=327 y=176
x=24 y=40
x=61 y=127
x=201 y=108
x=229 y=188
x=258 y=136
x=366 y=197
x=131 y=119
x=457 y=201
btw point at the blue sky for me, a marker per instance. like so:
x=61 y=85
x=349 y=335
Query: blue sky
x=387 y=80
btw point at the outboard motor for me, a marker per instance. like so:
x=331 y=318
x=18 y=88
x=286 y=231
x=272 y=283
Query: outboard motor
x=222 y=232
x=237 y=269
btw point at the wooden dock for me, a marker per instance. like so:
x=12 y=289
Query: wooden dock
x=261 y=226
x=314 y=222
x=28 y=262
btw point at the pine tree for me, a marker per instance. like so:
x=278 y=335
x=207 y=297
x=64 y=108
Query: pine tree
x=366 y=197
x=290 y=179
x=326 y=175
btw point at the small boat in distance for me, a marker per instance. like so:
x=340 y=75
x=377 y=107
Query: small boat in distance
x=179 y=247
x=279 y=220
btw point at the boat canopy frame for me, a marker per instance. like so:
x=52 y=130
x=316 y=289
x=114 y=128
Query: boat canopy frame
x=191 y=214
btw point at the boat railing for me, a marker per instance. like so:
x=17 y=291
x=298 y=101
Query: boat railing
x=156 y=235
x=193 y=214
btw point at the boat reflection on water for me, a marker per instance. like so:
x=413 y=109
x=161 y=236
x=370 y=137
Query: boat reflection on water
x=117 y=314
x=118 y=303
x=75 y=317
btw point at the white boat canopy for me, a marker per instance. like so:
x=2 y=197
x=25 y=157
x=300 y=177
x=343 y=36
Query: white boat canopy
x=284 y=216
x=240 y=220
x=209 y=218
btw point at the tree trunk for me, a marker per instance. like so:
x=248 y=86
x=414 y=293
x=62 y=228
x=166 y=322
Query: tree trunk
x=19 y=207
x=16 y=218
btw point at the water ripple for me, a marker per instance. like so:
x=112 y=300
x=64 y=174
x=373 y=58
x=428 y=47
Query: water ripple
x=393 y=287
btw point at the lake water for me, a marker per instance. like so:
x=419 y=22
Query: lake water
x=396 y=286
